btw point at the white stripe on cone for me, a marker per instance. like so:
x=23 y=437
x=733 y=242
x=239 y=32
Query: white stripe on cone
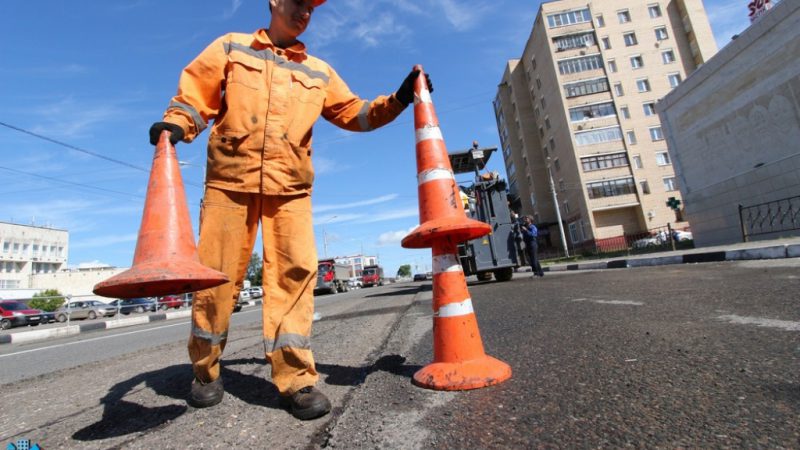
x=425 y=133
x=455 y=309
x=434 y=174
x=446 y=263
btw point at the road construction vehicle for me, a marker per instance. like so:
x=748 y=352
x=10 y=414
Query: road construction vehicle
x=332 y=277
x=498 y=252
x=372 y=276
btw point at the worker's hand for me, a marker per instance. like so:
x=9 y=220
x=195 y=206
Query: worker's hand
x=406 y=92
x=158 y=127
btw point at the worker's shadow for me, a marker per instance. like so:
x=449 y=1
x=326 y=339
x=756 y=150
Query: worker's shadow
x=354 y=376
x=122 y=417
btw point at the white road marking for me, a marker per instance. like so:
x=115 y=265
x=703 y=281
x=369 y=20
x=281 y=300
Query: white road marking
x=761 y=322
x=618 y=302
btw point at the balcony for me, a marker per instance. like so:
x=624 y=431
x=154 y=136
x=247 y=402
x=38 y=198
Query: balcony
x=616 y=202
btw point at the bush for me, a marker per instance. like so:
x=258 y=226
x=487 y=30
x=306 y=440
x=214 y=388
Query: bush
x=48 y=300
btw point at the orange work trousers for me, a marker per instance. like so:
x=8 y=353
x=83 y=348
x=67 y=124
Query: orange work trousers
x=228 y=226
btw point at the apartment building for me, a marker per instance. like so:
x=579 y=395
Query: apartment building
x=577 y=120
x=27 y=250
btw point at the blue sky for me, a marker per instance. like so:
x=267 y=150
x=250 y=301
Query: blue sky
x=95 y=74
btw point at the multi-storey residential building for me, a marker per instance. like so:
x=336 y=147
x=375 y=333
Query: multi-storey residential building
x=29 y=250
x=576 y=113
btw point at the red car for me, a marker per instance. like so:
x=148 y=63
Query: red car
x=170 y=301
x=17 y=314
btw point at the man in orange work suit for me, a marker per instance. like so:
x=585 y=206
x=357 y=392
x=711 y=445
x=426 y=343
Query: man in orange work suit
x=264 y=92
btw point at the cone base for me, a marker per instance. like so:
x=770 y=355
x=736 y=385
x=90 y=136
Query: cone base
x=159 y=278
x=462 y=376
x=457 y=229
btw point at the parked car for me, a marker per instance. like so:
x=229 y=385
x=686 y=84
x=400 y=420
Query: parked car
x=420 y=277
x=139 y=305
x=355 y=283
x=89 y=309
x=256 y=292
x=170 y=301
x=17 y=314
x=48 y=317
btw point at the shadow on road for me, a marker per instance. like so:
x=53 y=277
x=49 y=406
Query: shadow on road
x=122 y=416
x=394 y=292
x=354 y=376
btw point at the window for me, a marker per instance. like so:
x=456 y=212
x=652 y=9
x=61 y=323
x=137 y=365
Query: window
x=654 y=11
x=611 y=188
x=598 y=136
x=571 y=41
x=6 y=246
x=624 y=16
x=626 y=114
x=547 y=122
x=557 y=164
x=661 y=34
x=643 y=85
x=630 y=135
x=644 y=187
x=586 y=87
x=595 y=111
x=533 y=63
x=591 y=163
x=606 y=43
x=612 y=66
x=668 y=56
x=637 y=62
x=674 y=79
x=656 y=134
x=630 y=39
x=600 y=21
x=618 y=90
x=536 y=112
x=566 y=207
x=562 y=186
x=552 y=144
x=541 y=131
x=512 y=169
x=662 y=159
x=16 y=248
x=669 y=184
x=544 y=103
x=649 y=109
x=538 y=83
x=582 y=64
x=569 y=18
x=637 y=162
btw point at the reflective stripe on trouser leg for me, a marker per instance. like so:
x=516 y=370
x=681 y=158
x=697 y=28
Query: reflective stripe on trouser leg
x=290 y=274
x=453 y=317
x=228 y=224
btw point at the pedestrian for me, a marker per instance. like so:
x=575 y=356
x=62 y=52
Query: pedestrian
x=264 y=93
x=530 y=235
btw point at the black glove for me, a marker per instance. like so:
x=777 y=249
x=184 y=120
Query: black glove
x=406 y=92
x=158 y=127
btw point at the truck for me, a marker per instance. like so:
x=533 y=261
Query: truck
x=372 y=276
x=332 y=277
x=497 y=253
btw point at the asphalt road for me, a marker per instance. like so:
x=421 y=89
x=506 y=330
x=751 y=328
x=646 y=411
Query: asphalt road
x=700 y=355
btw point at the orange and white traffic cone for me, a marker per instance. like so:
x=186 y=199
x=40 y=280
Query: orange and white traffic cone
x=459 y=359
x=166 y=260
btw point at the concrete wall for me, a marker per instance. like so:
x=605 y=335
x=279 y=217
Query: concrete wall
x=80 y=282
x=733 y=127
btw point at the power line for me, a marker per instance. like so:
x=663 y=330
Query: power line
x=69 y=182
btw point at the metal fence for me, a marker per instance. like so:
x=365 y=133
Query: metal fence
x=778 y=216
x=83 y=307
x=653 y=240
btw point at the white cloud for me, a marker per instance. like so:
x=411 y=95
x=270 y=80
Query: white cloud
x=372 y=201
x=230 y=12
x=67 y=118
x=324 y=165
x=462 y=15
x=392 y=237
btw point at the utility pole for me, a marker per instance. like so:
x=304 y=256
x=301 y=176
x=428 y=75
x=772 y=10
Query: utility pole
x=558 y=210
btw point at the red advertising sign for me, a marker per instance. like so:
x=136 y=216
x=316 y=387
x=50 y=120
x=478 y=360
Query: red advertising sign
x=757 y=8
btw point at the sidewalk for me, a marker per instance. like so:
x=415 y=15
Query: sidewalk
x=768 y=249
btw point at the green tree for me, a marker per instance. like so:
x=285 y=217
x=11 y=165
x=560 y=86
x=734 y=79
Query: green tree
x=254 y=270
x=404 y=270
x=47 y=300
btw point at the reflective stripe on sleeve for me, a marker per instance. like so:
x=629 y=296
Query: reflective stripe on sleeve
x=213 y=339
x=363 y=117
x=434 y=174
x=446 y=263
x=425 y=133
x=199 y=123
x=455 y=309
x=289 y=340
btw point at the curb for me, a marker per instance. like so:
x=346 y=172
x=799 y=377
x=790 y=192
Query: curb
x=71 y=330
x=772 y=252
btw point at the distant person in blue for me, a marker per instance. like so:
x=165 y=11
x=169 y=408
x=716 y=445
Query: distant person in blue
x=530 y=235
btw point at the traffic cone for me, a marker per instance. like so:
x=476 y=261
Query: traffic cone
x=166 y=260
x=459 y=359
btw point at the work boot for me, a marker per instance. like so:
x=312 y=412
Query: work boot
x=204 y=395
x=307 y=403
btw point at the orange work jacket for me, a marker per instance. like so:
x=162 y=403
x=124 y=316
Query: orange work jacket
x=264 y=101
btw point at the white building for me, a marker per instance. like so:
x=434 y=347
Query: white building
x=357 y=263
x=27 y=250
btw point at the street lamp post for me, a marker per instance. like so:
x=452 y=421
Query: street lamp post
x=325 y=236
x=558 y=209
